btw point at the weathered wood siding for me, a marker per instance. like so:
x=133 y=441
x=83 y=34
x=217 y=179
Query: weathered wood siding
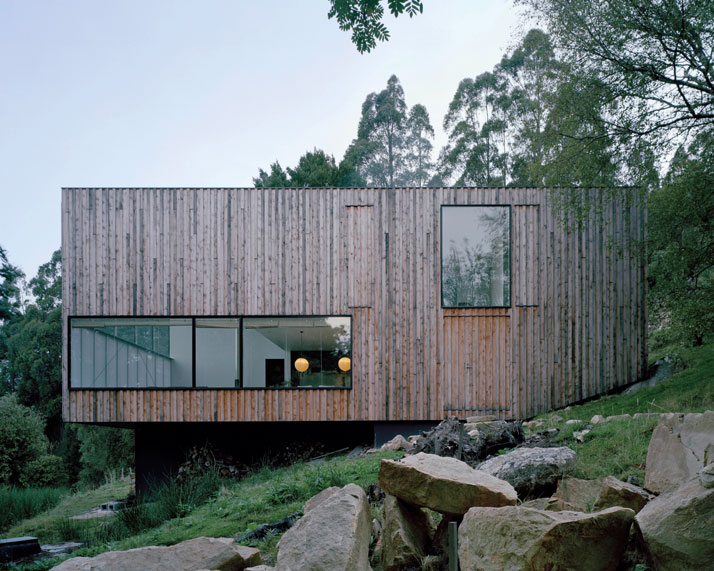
x=576 y=326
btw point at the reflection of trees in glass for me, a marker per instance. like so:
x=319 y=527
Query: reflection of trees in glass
x=476 y=272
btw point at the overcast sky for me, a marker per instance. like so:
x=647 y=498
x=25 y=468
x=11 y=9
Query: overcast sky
x=202 y=93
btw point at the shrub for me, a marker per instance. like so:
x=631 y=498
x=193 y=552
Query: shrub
x=23 y=439
x=47 y=470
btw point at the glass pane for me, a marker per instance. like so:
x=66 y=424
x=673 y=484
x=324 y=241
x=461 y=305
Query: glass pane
x=297 y=352
x=131 y=353
x=217 y=353
x=475 y=256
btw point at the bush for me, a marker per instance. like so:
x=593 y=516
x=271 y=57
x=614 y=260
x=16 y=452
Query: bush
x=47 y=470
x=104 y=450
x=23 y=439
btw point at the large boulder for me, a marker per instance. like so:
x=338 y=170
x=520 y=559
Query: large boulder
x=531 y=471
x=681 y=445
x=334 y=535
x=518 y=538
x=614 y=492
x=199 y=553
x=405 y=535
x=677 y=527
x=446 y=485
x=574 y=494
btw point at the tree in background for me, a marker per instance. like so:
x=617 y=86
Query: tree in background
x=655 y=56
x=104 y=451
x=315 y=169
x=10 y=277
x=393 y=145
x=364 y=19
x=681 y=243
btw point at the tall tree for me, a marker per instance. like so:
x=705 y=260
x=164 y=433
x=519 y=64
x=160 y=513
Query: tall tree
x=10 y=276
x=378 y=150
x=475 y=122
x=418 y=148
x=655 y=56
x=364 y=19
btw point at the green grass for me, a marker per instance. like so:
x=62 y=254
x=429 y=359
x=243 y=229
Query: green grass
x=17 y=504
x=619 y=448
x=48 y=526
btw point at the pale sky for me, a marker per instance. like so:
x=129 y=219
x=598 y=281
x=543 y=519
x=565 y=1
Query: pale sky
x=157 y=93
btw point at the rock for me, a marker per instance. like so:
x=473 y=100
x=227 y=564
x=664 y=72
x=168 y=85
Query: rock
x=443 y=484
x=396 y=443
x=317 y=499
x=677 y=527
x=706 y=476
x=406 y=535
x=525 y=538
x=531 y=471
x=681 y=445
x=573 y=421
x=618 y=417
x=614 y=492
x=481 y=418
x=597 y=419
x=199 y=553
x=261 y=568
x=580 y=435
x=535 y=423
x=413 y=438
x=451 y=438
x=556 y=418
x=334 y=535
x=576 y=495
x=660 y=370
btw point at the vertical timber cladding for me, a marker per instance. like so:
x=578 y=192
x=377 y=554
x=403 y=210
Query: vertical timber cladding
x=575 y=327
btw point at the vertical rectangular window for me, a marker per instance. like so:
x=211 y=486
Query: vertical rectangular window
x=297 y=352
x=130 y=353
x=475 y=256
x=218 y=353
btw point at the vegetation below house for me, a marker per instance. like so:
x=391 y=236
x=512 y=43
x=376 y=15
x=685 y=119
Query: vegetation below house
x=216 y=508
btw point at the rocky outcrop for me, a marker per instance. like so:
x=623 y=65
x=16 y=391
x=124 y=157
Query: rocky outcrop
x=614 y=492
x=396 y=443
x=317 y=499
x=405 y=535
x=443 y=484
x=333 y=535
x=524 y=538
x=574 y=494
x=706 y=476
x=199 y=553
x=531 y=471
x=681 y=445
x=677 y=527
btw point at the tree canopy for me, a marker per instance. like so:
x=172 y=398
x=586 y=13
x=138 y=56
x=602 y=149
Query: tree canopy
x=315 y=169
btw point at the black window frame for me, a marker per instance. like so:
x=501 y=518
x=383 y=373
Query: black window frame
x=193 y=386
x=510 y=256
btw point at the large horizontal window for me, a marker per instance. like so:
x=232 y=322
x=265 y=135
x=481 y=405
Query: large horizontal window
x=131 y=353
x=210 y=352
x=475 y=256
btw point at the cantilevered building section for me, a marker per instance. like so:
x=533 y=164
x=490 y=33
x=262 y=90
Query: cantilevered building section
x=361 y=304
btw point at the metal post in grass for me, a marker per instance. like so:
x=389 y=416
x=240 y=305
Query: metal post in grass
x=453 y=547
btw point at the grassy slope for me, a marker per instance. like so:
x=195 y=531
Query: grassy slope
x=618 y=448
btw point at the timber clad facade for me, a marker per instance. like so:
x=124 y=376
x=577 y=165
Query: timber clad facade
x=568 y=322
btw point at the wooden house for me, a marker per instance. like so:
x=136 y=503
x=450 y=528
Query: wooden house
x=365 y=305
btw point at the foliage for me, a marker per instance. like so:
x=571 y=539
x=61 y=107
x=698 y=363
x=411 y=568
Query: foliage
x=31 y=343
x=315 y=169
x=681 y=243
x=104 y=450
x=654 y=55
x=47 y=470
x=23 y=439
x=364 y=19
x=17 y=504
x=393 y=144
x=9 y=288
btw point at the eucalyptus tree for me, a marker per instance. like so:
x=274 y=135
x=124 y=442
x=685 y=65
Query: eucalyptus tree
x=476 y=124
x=10 y=278
x=314 y=169
x=420 y=133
